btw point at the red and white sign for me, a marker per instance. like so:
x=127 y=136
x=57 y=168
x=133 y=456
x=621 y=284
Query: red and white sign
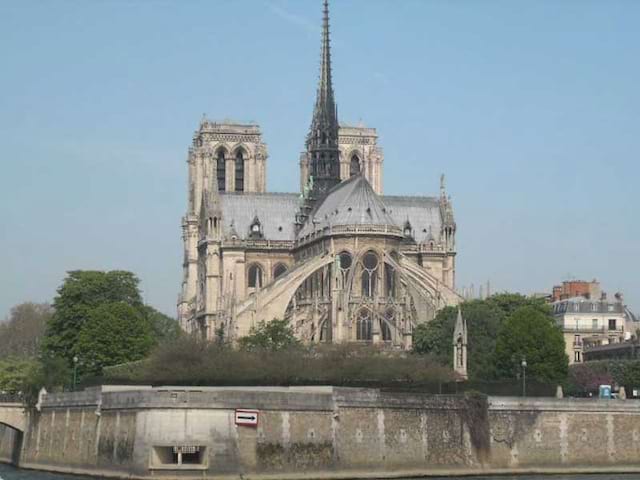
x=248 y=418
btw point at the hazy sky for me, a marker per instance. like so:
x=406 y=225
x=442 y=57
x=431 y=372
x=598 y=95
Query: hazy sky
x=530 y=108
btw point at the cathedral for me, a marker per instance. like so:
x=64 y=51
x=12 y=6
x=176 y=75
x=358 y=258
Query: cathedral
x=338 y=260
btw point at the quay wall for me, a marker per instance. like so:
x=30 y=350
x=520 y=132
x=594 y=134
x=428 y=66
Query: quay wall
x=324 y=432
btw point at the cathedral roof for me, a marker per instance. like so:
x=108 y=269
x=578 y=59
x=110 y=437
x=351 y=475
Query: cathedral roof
x=352 y=202
x=276 y=212
x=422 y=212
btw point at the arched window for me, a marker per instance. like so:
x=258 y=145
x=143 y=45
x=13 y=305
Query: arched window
x=239 y=171
x=363 y=326
x=279 y=270
x=369 y=274
x=221 y=170
x=254 y=279
x=354 y=167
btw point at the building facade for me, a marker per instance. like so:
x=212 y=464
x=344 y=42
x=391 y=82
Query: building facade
x=588 y=323
x=339 y=260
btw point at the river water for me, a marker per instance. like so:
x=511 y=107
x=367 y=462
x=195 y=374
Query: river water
x=10 y=473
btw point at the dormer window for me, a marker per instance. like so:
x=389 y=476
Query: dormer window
x=407 y=229
x=255 y=229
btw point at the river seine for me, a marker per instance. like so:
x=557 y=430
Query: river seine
x=10 y=473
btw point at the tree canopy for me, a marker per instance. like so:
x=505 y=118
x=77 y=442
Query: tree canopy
x=532 y=335
x=113 y=333
x=80 y=293
x=274 y=335
x=485 y=319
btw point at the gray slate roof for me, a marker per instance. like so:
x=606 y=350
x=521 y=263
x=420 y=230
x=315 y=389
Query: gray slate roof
x=422 y=212
x=276 y=212
x=352 y=202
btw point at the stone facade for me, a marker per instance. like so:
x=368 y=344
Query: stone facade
x=340 y=260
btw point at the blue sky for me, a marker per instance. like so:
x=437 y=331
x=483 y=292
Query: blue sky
x=530 y=108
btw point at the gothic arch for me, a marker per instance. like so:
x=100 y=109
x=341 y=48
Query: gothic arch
x=255 y=275
x=364 y=325
x=239 y=155
x=221 y=156
x=279 y=270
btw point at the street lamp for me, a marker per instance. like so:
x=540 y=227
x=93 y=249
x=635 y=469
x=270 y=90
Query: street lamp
x=524 y=376
x=75 y=371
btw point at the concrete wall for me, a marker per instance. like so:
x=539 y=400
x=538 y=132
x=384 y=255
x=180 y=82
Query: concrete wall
x=326 y=432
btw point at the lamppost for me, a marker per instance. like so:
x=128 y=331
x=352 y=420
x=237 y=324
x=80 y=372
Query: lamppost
x=523 y=364
x=75 y=371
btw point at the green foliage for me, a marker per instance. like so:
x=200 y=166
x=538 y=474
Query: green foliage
x=14 y=373
x=484 y=320
x=113 y=333
x=165 y=328
x=275 y=335
x=81 y=292
x=192 y=361
x=21 y=334
x=508 y=303
x=531 y=334
x=52 y=373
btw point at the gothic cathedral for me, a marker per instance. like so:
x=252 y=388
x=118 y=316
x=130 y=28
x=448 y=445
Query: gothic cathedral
x=340 y=261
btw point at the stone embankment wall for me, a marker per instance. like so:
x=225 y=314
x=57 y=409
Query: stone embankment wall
x=325 y=432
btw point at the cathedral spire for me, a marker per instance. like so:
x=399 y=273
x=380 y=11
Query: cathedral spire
x=325 y=108
x=322 y=141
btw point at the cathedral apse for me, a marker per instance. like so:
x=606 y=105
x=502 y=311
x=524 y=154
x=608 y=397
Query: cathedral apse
x=341 y=261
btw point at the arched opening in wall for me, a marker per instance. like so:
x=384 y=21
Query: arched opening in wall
x=369 y=274
x=325 y=332
x=389 y=281
x=279 y=270
x=221 y=165
x=354 y=166
x=364 y=331
x=254 y=276
x=239 y=171
x=386 y=324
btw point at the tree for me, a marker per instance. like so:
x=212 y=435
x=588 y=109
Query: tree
x=164 y=327
x=483 y=322
x=532 y=335
x=13 y=374
x=275 y=335
x=21 y=334
x=113 y=333
x=81 y=292
x=484 y=319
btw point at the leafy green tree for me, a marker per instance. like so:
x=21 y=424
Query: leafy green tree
x=113 y=333
x=14 y=373
x=165 y=328
x=21 y=334
x=81 y=292
x=483 y=321
x=508 y=303
x=274 y=336
x=529 y=333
